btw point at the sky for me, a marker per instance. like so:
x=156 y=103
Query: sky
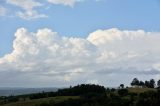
x=56 y=43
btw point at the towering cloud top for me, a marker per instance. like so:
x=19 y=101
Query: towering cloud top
x=46 y=54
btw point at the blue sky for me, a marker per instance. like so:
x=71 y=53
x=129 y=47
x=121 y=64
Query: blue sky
x=97 y=41
x=84 y=18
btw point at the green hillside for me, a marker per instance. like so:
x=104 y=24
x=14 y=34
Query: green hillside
x=41 y=101
x=88 y=95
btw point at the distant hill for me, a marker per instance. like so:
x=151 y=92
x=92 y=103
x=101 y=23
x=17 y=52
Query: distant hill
x=21 y=91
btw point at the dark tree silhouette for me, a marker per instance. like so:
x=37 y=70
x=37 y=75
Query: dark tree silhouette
x=147 y=84
x=158 y=83
x=122 y=86
x=141 y=83
x=135 y=82
x=152 y=83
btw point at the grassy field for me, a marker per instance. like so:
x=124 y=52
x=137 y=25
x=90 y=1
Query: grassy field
x=39 y=101
x=140 y=90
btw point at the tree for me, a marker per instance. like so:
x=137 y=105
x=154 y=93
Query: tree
x=147 y=84
x=113 y=90
x=152 y=83
x=135 y=82
x=158 y=83
x=141 y=83
x=122 y=86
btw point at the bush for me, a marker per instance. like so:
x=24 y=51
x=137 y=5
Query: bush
x=123 y=92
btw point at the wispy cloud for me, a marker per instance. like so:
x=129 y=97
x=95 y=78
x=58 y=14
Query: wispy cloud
x=28 y=7
x=63 y=2
x=3 y=11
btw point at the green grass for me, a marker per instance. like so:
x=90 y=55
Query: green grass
x=39 y=101
x=140 y=90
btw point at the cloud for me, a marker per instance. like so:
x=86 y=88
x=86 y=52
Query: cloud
x=3 y=11
x=31 y=9
x=30 y=14
x=104 y=54
x=28 y=7
x=92 y=81
x=70 y=3
x=63 y=2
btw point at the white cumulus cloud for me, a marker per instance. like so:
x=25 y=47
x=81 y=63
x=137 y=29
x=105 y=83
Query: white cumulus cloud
x=46 y=56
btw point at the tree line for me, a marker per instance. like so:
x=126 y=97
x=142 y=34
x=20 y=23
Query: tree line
x=149 y=84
